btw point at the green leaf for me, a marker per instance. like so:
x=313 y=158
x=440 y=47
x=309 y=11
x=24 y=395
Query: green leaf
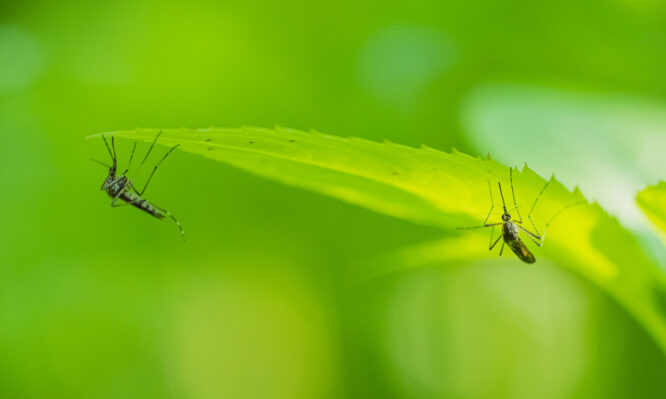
x=445 y=191
x=652 y=201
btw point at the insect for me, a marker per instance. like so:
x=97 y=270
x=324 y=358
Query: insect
x=120 y=187
x=511 y=228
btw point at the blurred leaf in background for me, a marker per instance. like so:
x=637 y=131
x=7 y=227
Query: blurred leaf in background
x=608 y=144
x=107 y=303
x=652 y=201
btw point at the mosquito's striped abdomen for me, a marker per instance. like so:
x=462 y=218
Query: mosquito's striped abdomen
x=119 y=187
x=136 y=201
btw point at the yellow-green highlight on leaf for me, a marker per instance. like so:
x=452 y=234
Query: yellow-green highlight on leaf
x=652 y=201
x=445 y=191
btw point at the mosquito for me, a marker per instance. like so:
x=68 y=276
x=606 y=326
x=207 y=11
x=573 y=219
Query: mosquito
x=120 y=187
x=511 y=228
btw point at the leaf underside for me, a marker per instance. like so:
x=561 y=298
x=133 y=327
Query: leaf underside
x=445 y=191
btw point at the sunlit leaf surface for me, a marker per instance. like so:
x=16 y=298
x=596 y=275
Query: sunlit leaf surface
x=442 y=190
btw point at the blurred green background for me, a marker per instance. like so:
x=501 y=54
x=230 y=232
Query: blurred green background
x=98 y=302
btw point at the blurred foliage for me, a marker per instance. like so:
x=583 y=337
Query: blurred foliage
x=515 y=121
x=653 y=202
x=107 y=303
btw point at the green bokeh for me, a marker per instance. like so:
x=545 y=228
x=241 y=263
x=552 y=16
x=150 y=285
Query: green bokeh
x=98 y=302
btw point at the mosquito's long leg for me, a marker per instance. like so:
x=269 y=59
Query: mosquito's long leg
x=513 y=194
x=182 y=232
x=485 y=222
x=150 y=149
x=479 y=227
x=155 y=168
x=131 y=158
x=115 y=200
x=502 y=248
x=529 y=215
x=538 y=240
x=495 y=243
x=131 y=186
x=543 y=237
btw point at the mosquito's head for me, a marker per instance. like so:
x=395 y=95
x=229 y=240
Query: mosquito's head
x=506 y=217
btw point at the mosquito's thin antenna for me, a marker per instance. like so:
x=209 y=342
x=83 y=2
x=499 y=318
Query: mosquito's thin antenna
x=155 y=168
x=150 y=149
x=503 y=204
x=564 y=208
x=529 y=215
x=130 y=160
x=538 y=238
x=101 y=163
x=539 y=196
